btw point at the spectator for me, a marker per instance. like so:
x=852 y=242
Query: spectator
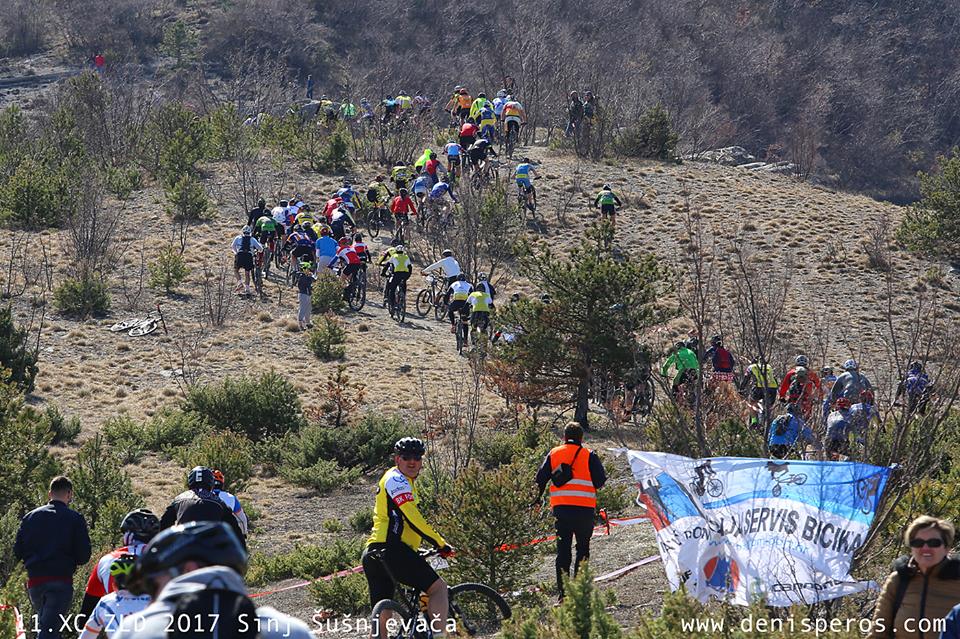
x=99 y=62
x=52 y=542
x=924 y=586
x=575 y=474
x=309 y=87
x=193 y=574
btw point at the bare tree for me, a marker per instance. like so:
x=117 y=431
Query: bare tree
x=217 y=298
x=92 y=229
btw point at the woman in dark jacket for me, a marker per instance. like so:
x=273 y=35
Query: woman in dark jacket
x=923 y=587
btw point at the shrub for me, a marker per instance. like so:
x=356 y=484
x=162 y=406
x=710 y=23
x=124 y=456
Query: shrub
x=231 y=452
x=34 y=196
x=16 y=356
x=126 y=438
x=186 y=199
x=361 y=522
x=324 y=475
x=343 y=595
x=258 y=407
x=365 y=446
x=123 y=181
x=305 y=561
x=26 y=465
x=483 y=510
x=332 y=525
x=168 y=271
x=327 y=294
x=327 y=338
x=528 y=444
x=335 y=157
x=173 y=428
x=82 y=297
x=652 y=137
x=932 y=226
x=98 y=476
x=63 y=429
x=269 y=454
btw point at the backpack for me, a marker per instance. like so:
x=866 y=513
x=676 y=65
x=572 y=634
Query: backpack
x=564 y=472
x=780 y=425
x=372 y=195
x=214 y=612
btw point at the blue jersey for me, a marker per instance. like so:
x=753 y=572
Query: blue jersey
x=439 y=189
x=326 y=246
x=498 y=105
x=916 y=383
x=347 y=194
x=786 y=429
x=523 y=171
x=422 y=184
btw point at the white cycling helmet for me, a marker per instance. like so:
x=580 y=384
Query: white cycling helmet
x=802 y=361
x=850 y=365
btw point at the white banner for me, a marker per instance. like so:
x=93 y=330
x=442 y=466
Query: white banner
x=737 y=528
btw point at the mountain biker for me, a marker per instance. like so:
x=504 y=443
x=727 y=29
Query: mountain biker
x=402 y=206
x=199 y=503
x=479 y=151
x=478 y=105
x=230 y=500
x=256 y=213
x=243 y=247
x=299 y=244
x=484 y=285
x=839 y=427
x=421 y=188
x=361 y=248
x=785 y=430
x=802 y=392
x=400 y=266
x=138 y=527
x=421 y=103
x=803 y=362
x=351 y=264
x=325 y=248
x=589 y=107
x=279 y=212
x=366 y=108
x=439 y=190
x=522 y=174
x=499 y=102
x=479 y=310
x=348 y=110
x=433 y=167
x=453 y=103
x=266 y=231
x=608 y=202
x=404 y=102
x=684 y=360
x=330 y=207
x=468 y=133
x=456 y=299
x=308 y=229
x=851 y=384
x=422 y=160
x=513 y=116
x=464 y=102
x=389 y=109
x=192 y=574
x=111 y=609
x=400 y=174
x=342 y=221
x=762 y=383
x=448 y=266
x=574 y=113
x=721 y=360
x=398 y=530
x=378 y=193
x=305 y=279
x=487 y=122
x=452 y=150
x=917 y=387
x=348 y=194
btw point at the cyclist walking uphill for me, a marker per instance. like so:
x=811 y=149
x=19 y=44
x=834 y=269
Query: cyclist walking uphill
x=762 y=383
x=305 y=281
x=803 y=362
x=398 y=530
x=523 y=174
x=720 y=359
x=608 y=203
x=574 y=473
x=684 y=360
x=243 y=248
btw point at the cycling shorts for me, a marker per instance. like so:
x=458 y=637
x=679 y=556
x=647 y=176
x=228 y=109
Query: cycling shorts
x=403 y=562
x=607 y=209
x=514 y=120
x=525 y=183
x=350 y=269
x=244 y=261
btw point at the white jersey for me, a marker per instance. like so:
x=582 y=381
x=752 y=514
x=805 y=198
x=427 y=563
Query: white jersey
x=279 y=214
x=110 y=611
x=448 y=265
x=460 y=291
x=234 y=505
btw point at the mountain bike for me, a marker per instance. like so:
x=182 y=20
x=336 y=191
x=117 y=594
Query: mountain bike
x=462 y=332
x=432 y=297
x=357 y=293
x=377 y=219
x=140 y=326
x=398 y=303
x=510 y=141
x=476 y=609
x=487 y=171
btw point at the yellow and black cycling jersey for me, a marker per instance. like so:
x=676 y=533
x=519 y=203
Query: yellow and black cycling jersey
x=396 y=518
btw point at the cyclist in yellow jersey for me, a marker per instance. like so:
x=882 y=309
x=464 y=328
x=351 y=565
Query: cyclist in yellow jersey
x=398 y=529
x=479 y=309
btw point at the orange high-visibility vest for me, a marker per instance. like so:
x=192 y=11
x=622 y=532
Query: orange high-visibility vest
x=579 y=491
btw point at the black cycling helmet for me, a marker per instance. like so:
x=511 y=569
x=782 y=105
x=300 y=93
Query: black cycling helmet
x=916 y=367
x=358 y=237
x=261 y=203
x=409 y=446
x=693 y=343
x=716 y=340
x=200 y=477
x=142 y=523
x=461 y=277
x=211 y=542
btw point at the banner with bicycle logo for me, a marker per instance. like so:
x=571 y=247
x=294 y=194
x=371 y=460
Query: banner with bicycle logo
x=735 y=528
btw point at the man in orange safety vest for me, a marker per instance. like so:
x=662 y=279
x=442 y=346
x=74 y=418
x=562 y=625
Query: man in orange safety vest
x=574 y=473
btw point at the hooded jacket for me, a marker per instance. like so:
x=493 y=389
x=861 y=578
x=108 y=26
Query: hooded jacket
x=929 y=596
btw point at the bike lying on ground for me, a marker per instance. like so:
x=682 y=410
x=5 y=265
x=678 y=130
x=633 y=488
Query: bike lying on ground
x=139 y=326
x=476 y=609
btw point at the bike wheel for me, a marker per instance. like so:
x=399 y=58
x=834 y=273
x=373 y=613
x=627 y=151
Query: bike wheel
x=396 y=618
x=440 y=310
x=478 y=609
x=374 y=223
x=358 y=296
x=461 y=337
x=143 y=328
x=401 y=305
x=125 y=325
x=424 y=302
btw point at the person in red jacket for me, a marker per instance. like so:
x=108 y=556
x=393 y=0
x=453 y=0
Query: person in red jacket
x=402 y=205
x=574 y=501
x=468 y=133
x=432 y=166
x=801 y=362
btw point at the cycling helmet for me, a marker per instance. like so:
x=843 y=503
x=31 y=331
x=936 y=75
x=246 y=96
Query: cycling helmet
x=142 y=523
x=247 y=230
x=842 y=403
x=218 y=476
x=515 y=297
x=607 y=187
x=481 y=95
x=716 y=340
x=200 y=477
x=502 y=93
x=261 y=203
x=461 y=277
x=410 y=446
x=916 y=367
x=211 y=542
x=120 y=569
x=802 y=360
x=346 y=184
x=307 y=224
x=574 y=94
x=850 y=365
x=800 y=371
x=399 y=248
x=404 y=192
x=358 y=237
x=463 y=91
x=344 y=241
x=693 y=343
x=284 y=203
x=324 y=230
x=526 y=160
x=545 y=298
x=826 y=370
x=679 y=345
x=306 y=266
x=481 y=277
x=446 y=253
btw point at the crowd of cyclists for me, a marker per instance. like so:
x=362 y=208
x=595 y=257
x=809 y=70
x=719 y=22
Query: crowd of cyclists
x=821 y=412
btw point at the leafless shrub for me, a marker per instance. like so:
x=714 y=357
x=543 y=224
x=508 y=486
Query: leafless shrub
x=455 y=422
x=877 y=243
x=92 y=230
x=133 y=279
x=186 y=355
x=216 y=288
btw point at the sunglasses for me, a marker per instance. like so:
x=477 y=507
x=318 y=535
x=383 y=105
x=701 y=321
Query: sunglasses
x=411 y=457
x=920 y=543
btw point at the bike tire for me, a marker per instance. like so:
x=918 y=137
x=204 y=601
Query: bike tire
x=478 y=609
x=374 y=223
x=461 y=339
x=423 y=303
x=399 y=617
x=125 y=325
x=143 y=328
x=401 y=305
x=440 y=311
x=358 y=296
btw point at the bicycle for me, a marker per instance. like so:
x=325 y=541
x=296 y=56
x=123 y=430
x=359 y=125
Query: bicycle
x=432 y=297
x=378 y=218
x=462 y=332
x=357 y=289
x=778 y=473
x=510 y=141
x=484 y=175
x=398 y=303
x=140 y=326
x=476 y=609
x=706 y=482
x=400 y=224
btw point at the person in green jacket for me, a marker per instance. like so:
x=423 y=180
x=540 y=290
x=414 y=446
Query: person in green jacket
x=422 y=161
x=685 y=361
x=608 y=202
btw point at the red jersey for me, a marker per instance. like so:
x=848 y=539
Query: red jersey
x=348 y=255
x=468 y=130
x=431 y=167
x=403 y=205
x=330 y=207
x=361 y=250
x=100 y=582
